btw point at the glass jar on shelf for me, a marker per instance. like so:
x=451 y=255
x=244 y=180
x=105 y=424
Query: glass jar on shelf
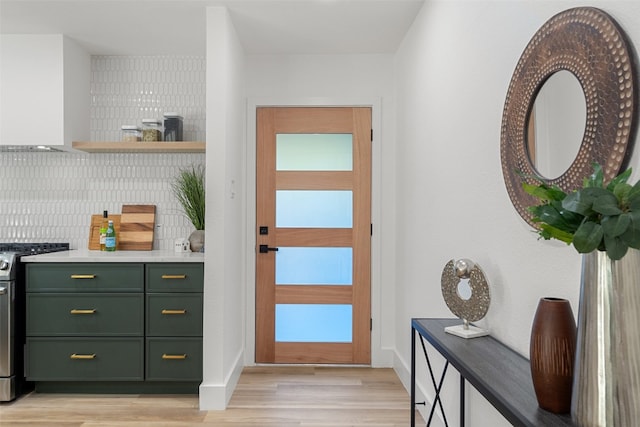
x=172 y=127
x=151 y=130
x=130 y=133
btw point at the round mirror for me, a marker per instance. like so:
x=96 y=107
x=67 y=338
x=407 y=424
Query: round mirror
x=556 y=125
x=588 y=44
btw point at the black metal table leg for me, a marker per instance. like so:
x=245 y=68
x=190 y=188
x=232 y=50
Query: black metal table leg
x=413 y=377
x=461 y=401
x=437 y=387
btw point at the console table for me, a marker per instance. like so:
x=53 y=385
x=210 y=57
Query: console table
x=500 y=374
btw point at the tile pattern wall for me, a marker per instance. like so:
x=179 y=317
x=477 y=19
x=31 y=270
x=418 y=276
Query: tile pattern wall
x=51 y=196
x=127 y=89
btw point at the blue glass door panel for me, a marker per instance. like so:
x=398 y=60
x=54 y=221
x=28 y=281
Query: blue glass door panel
x=313 y=322
x=314 y=208
x=314 y=152
x=314 y=266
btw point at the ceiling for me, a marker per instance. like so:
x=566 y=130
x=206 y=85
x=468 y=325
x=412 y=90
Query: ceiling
x=178 y=27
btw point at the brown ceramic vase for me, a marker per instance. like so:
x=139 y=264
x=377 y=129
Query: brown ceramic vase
x=552 y=351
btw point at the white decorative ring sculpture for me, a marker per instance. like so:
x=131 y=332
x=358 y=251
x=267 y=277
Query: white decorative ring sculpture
x=469 y=310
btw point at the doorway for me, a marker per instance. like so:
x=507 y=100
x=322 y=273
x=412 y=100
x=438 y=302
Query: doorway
x=313 y=235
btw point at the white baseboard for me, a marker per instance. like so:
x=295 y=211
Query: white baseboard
x=216 y=397
x=382 y=358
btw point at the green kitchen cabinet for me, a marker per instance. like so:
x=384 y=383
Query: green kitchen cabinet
x=85 y=359
x=174 y=321
x=174 y=277
x=171 y=359
x=174 y=315
x=90 y=314
x=85 y=277
x=115 y=327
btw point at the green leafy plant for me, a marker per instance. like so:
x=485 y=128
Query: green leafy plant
x=594 y=217
x=188 y=187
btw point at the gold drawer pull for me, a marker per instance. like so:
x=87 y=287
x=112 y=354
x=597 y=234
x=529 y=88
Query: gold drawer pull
x=83 y=276
x=174 y=276
x=174 y=356
x=78 y=311
x=183 y=311
x=83 y=356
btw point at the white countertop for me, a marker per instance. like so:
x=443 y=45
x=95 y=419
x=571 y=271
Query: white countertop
x=84 y=255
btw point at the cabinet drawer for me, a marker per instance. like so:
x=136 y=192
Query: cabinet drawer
x=174 y=315
x=85 y=277
x=176 y=277
x=85 y=359
x=85 y=314
x=178 y=359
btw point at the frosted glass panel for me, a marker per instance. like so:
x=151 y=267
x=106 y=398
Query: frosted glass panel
x=313 y=323
x=314 y=209
x=314 y=266
x=314 y=152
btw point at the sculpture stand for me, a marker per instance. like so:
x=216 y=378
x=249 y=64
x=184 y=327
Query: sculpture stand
x=466 y=330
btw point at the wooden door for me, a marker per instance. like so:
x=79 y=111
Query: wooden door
x=313 y=234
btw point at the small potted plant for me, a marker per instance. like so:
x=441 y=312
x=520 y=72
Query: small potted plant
x=189 y=188
x=594 y=217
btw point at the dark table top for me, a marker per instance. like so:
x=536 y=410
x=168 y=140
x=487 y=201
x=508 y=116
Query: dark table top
x=500 y=374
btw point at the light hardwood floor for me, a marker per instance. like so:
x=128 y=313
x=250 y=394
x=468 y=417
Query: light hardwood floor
x=265 y=396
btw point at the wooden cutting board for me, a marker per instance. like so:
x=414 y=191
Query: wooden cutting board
x=94 y=231
x=137 y=224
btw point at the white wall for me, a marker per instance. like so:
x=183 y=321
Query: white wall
x=224 y=258
x=334 y=80
x=452 y=73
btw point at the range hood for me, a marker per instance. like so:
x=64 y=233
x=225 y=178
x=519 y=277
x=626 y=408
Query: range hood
x=45 y=92
x=28 y=149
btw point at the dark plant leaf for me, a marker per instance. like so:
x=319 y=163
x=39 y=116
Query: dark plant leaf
x=594 y=192
x=579 y=202
x=633 y=198
x=606 y=204
x=596 y=179
x=616 y=247
x=544 y=192
x=614 y=226
x=549 y=232
x=632 y=234
x=572 y=220
x=620 y=179
x=587 y=237
x=621 y=191
x=550 y=214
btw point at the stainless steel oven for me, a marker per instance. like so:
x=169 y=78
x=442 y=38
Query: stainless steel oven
x=13 y=315
x=7 y=326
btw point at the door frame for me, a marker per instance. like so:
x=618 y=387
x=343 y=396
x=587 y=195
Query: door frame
x=380 y=357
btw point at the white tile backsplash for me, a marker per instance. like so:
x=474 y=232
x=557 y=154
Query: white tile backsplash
x=127 y=89
x=51 y=196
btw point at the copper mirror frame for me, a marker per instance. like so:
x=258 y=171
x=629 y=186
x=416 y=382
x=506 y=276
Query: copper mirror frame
x=588 y=43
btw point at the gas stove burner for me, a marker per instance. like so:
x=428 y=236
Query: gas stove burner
x=33 y=248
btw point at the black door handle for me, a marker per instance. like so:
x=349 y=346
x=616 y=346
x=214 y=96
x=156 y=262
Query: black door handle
x=265 y=248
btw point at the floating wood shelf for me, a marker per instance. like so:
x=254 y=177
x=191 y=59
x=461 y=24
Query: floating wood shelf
x=140 y=147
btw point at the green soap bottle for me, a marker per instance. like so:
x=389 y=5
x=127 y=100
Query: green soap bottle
x=103 y=230
x=110 y=240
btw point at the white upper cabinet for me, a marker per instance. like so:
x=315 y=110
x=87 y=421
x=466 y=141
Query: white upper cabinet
x=44 y=90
